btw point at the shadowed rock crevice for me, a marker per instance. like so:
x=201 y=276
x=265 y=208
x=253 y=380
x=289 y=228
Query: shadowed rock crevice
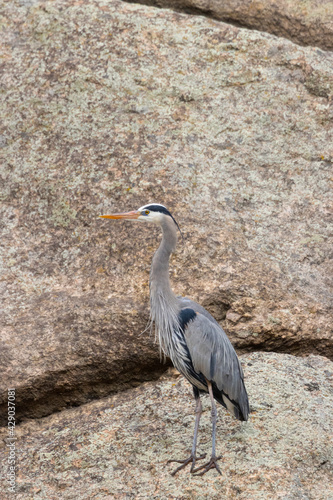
x=310 y=24
x=255 y=323
x=65 y=390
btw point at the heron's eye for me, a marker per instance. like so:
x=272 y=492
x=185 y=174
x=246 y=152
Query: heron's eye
x=146 y=212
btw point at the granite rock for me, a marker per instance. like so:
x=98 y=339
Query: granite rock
x=118 y=447
x=107 y=106
x=306 y=23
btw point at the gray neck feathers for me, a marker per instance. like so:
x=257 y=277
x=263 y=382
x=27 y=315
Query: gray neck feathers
x=164 y=308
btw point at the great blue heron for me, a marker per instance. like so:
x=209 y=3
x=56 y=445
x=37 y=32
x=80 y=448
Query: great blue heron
x=191 y=337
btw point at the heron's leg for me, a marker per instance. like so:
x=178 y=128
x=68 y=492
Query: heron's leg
x=198 y=411
x=192 y=458
x=212 y=464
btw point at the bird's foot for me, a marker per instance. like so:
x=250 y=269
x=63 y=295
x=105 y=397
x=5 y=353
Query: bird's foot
x=212 y=464
x=185 y=462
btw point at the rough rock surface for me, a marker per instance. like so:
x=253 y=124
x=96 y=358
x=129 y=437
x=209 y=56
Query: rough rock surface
x=106 y=106
x=118 y=448
x=306 y=22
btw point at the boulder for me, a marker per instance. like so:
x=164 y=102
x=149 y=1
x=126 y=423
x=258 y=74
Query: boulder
x=306 y=23
x=107 y=106
x=118 y=447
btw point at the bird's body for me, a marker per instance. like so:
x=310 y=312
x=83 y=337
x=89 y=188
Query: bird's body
x=188 y=334
x=191 y=337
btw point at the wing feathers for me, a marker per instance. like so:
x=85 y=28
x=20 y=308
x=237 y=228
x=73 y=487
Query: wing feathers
x=213 y=355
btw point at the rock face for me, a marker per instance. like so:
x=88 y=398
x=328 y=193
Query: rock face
x=107 y=106
x=307 y=23
x=118 y=448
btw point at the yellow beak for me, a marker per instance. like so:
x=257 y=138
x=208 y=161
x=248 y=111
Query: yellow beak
x=126 y=215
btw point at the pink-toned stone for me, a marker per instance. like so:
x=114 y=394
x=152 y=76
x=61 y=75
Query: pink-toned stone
x=107 y=106
x=118 y=447
x=306 y=23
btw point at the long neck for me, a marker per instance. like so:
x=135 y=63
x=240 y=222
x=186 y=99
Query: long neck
x=164 y=307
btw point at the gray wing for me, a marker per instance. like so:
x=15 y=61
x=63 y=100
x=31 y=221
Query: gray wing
x=213 y=355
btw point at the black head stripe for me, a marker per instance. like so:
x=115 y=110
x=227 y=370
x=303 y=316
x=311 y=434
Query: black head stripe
x=158 y=208
x=162 y=210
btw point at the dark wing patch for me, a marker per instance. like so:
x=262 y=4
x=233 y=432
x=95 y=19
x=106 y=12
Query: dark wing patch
x=185 y=316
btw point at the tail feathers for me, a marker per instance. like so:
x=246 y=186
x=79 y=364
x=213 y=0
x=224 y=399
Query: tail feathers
x=239 y=408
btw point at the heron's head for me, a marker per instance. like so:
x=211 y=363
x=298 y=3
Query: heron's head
x=148 y=213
